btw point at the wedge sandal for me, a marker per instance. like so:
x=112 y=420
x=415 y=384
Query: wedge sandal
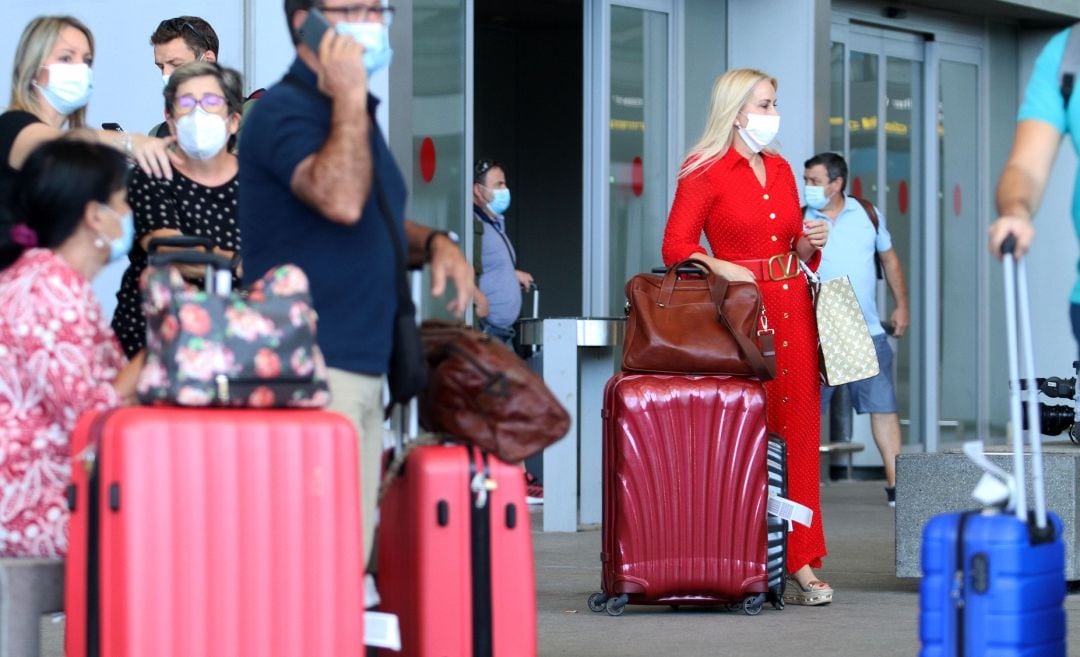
x=814 y=593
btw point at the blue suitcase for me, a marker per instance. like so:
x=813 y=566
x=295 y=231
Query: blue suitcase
x=994 y=582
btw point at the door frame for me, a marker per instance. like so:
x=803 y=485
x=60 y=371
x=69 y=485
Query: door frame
x=596 y=143
x=885 y=43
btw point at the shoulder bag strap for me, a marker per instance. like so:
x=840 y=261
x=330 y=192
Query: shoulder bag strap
x=764 y=369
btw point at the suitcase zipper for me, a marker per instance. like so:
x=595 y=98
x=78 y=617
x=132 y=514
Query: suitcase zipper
x=958 y=586
x=480 y=534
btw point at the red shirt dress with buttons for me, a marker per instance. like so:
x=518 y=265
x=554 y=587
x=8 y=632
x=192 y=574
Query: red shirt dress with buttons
x=758 y=227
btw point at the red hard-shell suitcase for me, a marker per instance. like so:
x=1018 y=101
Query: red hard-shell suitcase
x=685 y=493
x=215 y=533
x=455 y=556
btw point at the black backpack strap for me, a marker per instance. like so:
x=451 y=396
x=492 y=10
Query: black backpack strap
x=1070 y=64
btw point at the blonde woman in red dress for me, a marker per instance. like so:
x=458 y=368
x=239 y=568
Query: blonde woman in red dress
x=742 y=195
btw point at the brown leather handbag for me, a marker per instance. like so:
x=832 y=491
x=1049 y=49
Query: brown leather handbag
x=692 y=321
x=479 y=391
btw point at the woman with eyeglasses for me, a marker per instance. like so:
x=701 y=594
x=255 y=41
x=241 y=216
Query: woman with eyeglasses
x=202 y=103
x=50 y=88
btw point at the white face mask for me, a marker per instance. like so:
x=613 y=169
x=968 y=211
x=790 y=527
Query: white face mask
x=760 y=130
x=69 y=87
x=375 y=37
x=201 y=134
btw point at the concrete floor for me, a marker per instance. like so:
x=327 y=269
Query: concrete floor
x=873 y=615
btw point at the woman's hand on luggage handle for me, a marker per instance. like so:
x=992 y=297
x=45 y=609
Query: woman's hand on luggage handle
x=729 y=270
x=1021 y=228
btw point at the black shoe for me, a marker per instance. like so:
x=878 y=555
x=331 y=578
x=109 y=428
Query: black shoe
x=891 y=494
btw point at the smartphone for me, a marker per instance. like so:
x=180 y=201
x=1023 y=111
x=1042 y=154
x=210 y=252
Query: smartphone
x=311 y=32
x=112 y=126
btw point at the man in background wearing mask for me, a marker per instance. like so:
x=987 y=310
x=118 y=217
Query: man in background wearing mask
x=178 y=41
x=500 y=281
x=857 y=238
x=320 y=188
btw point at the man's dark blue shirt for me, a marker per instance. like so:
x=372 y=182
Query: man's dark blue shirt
x=351 y=268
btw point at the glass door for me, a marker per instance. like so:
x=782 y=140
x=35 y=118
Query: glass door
x=876 y=122
x=958 y=250
x=628 y=141
x=441 y=126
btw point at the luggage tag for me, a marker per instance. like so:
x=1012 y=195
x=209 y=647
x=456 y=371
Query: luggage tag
x=381 y=630
x=996 y=488
x=789 y=510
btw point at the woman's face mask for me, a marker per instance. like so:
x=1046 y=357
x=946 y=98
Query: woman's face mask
x=760 y=130
x=69 y=87
x=201 y=134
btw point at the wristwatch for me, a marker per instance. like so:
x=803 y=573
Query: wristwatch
x=449 y=234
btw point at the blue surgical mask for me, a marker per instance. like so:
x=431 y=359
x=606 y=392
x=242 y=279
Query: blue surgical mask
x=500 y=201
x=69 y=87
x=375 y=37
x=815 y=197
x=119 y=247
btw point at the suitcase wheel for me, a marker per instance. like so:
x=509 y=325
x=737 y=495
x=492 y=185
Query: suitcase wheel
x=596 y=601
x=752 y=604
x=616 y=606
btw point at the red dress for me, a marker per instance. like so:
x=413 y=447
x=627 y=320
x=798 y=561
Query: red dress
x=744 y=221
x=58 y=359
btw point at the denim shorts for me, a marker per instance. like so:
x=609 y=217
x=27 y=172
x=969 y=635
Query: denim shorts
x=505 y=334
x=873 y=395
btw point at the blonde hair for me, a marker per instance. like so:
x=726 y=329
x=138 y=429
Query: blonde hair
x=35 y=44
x=729 y=93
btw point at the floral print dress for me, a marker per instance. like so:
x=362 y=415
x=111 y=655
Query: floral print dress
x=58 y=359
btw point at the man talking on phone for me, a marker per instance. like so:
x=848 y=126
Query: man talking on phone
x=317 y=188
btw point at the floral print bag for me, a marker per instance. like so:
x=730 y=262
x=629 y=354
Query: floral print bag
x=254 y=348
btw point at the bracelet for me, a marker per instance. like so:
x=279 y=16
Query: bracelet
x=431 y=236
x=127 y=144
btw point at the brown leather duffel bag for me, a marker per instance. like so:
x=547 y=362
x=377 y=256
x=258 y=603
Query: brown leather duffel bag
x=479 y=391
x=691 y=321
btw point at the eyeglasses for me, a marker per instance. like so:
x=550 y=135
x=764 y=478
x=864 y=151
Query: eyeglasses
x=362 y=13
x=209 y=102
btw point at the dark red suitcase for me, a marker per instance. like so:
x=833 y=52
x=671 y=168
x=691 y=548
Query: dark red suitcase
x=230 y=533
x=686 y=488
x=455 y=556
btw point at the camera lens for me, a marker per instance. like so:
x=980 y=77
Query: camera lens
x=1053 y=420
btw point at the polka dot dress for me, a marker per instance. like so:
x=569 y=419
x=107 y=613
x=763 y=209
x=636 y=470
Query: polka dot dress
x=181 y=204
x=745 y=221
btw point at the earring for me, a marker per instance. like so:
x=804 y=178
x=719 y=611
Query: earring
x=99 y=243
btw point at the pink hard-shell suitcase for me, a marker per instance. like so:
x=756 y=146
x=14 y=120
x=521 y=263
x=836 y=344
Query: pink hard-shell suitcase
x=455 y=556
x=214 y=533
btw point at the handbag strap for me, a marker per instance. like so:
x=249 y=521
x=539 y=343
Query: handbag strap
x=764 y=368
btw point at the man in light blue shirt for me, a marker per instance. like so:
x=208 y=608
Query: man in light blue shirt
x=858 y=238
x=500 y=281
x=1050 y=110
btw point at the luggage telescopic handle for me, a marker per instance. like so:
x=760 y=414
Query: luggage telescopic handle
x=1018 y=333
x=190 y=258
x=179 y=242
x=1008 y=246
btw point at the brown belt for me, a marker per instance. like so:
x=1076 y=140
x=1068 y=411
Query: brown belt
x=779 y=267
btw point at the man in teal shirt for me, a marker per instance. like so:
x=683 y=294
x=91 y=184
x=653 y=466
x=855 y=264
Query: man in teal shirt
x=1043 y=120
